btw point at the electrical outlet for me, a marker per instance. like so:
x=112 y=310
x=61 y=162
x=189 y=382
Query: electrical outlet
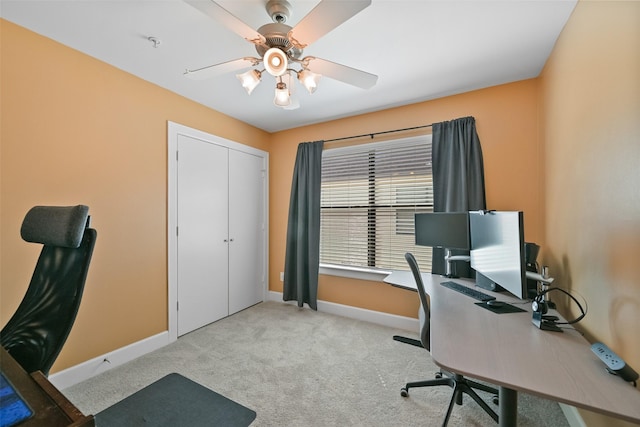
x=614 y=363
x=282 y=276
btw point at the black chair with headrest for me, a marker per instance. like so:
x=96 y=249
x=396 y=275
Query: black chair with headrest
x=459 y=383
x=36 y=332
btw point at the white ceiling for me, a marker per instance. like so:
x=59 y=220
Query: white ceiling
x=420 y=49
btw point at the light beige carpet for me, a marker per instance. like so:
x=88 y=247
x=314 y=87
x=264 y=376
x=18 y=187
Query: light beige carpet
x=297 y=367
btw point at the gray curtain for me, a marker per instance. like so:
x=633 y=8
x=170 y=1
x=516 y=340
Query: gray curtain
x=458 y=177
x=302 y=259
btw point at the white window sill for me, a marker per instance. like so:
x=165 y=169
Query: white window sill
x=354 y=272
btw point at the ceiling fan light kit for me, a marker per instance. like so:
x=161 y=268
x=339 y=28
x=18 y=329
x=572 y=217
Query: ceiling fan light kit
x=279 y=49
x=282 y=98
x=250 y=79
x=275 y=62
x=309 y=79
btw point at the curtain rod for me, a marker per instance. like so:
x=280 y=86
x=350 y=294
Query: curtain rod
x=376 y=133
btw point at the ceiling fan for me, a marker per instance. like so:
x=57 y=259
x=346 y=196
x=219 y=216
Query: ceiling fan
x=280 y=48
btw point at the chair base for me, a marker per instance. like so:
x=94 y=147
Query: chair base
x=406 y=340
x=460 y=386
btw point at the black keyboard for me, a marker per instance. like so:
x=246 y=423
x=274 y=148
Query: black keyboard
x=470 y=292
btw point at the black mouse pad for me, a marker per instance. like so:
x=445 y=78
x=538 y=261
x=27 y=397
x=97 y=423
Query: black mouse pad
x=504 y=308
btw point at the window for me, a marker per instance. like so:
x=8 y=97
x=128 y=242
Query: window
x=370 y=194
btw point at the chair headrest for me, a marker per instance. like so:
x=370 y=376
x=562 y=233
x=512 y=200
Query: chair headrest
x=55 y=225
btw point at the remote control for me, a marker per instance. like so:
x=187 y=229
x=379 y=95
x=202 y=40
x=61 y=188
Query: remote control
x=615 y=364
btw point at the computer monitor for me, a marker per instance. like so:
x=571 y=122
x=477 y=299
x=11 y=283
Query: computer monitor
x=497 y=249
x=449 y=230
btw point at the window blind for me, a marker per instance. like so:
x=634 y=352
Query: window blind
x=370 y=194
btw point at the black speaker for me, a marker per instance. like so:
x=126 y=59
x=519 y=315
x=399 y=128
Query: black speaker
x=530 y=255
x=531 y=252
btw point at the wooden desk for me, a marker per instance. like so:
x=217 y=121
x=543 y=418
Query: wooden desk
x=509 y=351
x=50 y=407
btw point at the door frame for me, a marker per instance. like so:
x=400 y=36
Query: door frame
x=173 y=131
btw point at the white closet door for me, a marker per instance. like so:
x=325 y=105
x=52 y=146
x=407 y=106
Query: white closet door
x=202 y=233
x=246 y=228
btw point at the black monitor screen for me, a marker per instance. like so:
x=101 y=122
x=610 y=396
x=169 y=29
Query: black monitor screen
x=497 y=249
x=448 y=230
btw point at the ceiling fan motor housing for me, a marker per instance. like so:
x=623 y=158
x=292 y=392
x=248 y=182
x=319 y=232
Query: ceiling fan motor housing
x=276 y=36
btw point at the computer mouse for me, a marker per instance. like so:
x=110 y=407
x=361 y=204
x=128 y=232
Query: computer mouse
x=495 y=303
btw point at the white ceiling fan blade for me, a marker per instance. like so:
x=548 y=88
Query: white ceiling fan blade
x=345 y=74
x=326 y=16
x=222 y=68
x=226 y=18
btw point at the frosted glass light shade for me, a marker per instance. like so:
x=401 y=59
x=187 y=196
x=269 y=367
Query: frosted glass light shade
x=309 y=80
x=249 y=80
x=282 y=98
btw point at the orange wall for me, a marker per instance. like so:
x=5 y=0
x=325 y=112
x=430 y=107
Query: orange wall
x=506 y=121
x=590 y=116
x=75 y=130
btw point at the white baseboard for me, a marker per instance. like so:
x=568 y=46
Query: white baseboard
x=377 y=317
x=572 y=415
x=100 y=364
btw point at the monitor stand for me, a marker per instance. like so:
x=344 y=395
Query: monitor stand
x=449 y=270
x=484 y=282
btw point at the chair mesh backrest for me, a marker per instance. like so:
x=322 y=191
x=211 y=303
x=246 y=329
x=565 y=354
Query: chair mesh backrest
x=424 y=300
x=36 y=332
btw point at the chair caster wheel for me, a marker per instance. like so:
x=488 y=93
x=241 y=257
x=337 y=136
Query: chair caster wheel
x=495 y=400
x=404 y=392
x=438 y=375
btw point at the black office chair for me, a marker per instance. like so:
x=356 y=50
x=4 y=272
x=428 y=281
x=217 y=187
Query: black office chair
x=36 y=332
x=459 y=384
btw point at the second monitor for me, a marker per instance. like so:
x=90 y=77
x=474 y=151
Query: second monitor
x=447 y=230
